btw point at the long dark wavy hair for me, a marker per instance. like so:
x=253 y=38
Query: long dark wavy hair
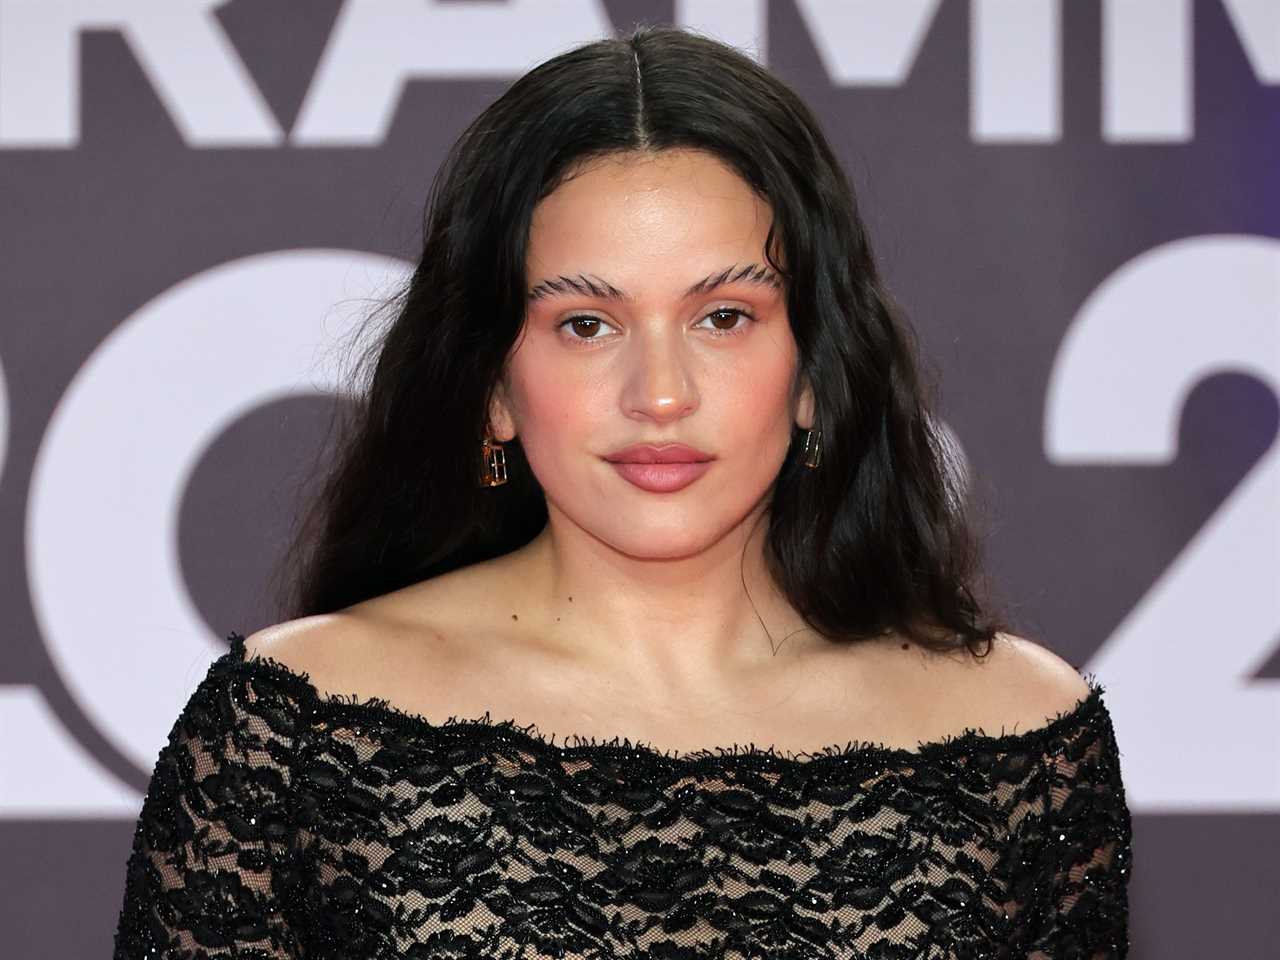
x=878 y=538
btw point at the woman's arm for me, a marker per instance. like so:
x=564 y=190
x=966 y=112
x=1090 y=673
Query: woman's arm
x=1074 y=836
x=210 y=871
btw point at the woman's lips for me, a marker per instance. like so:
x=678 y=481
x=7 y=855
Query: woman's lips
x=661 y=477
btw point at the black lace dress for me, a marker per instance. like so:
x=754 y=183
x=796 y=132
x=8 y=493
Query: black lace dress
x=283 y=822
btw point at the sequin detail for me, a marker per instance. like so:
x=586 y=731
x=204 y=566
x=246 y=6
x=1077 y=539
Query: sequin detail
x=283 y=823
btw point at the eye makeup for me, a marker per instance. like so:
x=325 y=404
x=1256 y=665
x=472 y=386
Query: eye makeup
x=565 y=324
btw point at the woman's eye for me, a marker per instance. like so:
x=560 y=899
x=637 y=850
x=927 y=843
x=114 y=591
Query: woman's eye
x=590 y=326
x=731 y=312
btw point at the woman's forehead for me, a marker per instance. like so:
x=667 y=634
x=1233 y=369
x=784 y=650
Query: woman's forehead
x=632 y=198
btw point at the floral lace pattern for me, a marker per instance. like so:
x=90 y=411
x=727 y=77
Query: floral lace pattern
x=283 y=823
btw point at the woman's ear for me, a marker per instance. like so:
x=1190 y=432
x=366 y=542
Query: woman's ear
x=805 y=407
x=502 y=425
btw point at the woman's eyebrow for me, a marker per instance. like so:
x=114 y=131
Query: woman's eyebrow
x=595 y=287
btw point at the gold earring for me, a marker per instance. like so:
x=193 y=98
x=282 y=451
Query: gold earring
x=812 y=448
x=493 y=471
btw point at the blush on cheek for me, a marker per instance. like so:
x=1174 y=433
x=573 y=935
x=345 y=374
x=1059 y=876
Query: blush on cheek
x=762 y=393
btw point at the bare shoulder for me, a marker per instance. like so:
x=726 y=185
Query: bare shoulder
x=357 y=650
x=304 y=638
x=415 y=646
x=1017 y=685
x=1026 y=684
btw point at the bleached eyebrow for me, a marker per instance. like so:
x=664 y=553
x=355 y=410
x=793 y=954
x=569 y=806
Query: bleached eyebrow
x=586 y=286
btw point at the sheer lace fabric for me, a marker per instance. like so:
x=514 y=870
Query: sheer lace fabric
x=283 y=823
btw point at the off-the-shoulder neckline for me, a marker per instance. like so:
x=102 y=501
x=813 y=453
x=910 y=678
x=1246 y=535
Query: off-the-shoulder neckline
x=1032 y=741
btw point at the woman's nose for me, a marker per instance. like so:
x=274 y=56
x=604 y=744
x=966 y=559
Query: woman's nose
x=660 y=384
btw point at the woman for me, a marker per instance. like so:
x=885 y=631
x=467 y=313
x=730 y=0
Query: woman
x=645 y=460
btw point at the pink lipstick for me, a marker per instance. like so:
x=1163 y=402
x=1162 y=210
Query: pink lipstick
x=661 y=468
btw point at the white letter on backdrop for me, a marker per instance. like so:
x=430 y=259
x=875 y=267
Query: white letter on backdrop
x=377 y=46
x=1015 y=70
x=179 y=45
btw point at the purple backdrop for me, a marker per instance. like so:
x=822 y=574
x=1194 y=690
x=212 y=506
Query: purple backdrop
x=1077 y=203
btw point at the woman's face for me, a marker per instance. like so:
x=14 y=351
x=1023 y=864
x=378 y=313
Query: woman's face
x=713 y=369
